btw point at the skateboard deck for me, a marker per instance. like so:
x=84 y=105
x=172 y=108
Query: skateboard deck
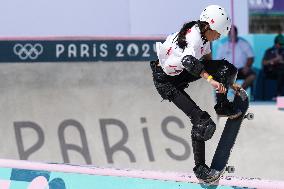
x=229 y=135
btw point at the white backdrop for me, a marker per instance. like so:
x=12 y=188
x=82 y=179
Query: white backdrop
x=20 y=18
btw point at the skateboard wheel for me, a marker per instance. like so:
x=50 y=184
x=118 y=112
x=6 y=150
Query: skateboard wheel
x=230 y=169
x=250 y=116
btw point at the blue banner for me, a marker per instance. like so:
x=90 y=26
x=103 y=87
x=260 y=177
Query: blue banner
x=77 y=50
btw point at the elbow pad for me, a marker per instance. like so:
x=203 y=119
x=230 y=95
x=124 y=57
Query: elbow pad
x=192 y=65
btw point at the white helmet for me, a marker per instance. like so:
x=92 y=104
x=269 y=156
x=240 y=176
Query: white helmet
x=217 y=18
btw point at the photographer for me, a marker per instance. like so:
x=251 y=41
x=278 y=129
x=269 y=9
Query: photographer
x=273 y=63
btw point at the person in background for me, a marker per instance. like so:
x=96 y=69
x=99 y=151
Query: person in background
x=273 y=63
x=279 y=37
x=243 y=56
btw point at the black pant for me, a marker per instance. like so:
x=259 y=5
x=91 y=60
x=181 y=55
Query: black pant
x=172 y=89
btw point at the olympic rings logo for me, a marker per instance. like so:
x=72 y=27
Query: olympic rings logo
x=28 y=51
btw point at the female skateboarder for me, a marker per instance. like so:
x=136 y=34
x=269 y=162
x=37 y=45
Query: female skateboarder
x=185 y=57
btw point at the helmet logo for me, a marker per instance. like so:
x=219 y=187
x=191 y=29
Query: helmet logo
x=212 y=21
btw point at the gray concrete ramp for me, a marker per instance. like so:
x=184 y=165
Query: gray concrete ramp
x=110 y=115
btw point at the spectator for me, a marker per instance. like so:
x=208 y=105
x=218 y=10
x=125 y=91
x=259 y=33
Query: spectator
x=279 y=37
x=273 y=63
x=243 y=56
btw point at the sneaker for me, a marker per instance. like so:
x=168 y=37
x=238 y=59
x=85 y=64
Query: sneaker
x=204 y=173
x=227 y=109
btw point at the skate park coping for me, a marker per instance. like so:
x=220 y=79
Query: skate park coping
x=18 y=174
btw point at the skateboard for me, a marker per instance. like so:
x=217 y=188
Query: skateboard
x=229 y=135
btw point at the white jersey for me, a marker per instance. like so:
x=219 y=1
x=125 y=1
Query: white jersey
x=170 y=55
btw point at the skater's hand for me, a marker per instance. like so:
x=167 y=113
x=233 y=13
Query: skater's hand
x=236 y=87
x=218 y=86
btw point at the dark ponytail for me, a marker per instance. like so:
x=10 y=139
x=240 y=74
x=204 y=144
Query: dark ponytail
x=203 y=26
x=181 y=40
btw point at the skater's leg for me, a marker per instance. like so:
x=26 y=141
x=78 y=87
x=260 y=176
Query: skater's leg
x=226 y=73
x=202 y=130
x=198 y=152
x=189 y=107
x=203 y=126
x=222 y=71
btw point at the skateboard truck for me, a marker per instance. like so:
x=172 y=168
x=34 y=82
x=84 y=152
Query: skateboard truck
x=249 y=116
x=230 y=169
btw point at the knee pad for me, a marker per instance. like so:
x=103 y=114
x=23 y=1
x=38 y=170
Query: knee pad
x=203 y=127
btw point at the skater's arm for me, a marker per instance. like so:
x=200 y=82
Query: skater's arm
x=206 y=75
x=195 y=67
x=218 y=86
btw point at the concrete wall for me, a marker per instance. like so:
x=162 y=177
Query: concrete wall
x=103 y=107
x=109 y=114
